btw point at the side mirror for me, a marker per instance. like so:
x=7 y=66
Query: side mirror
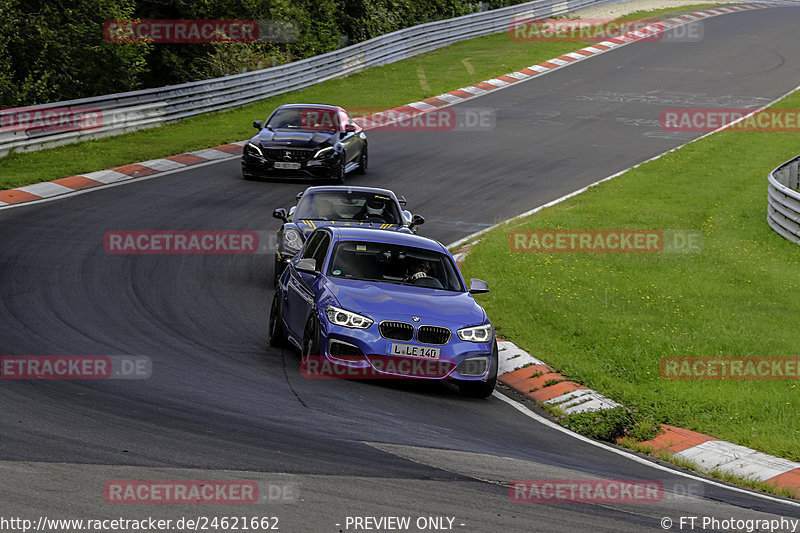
x=307 y=265
x=280 y=214
x=350 y=128
x=258 y=124
x=416 y=220
x=478 y=286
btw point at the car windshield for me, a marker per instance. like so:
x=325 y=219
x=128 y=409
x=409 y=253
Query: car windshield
x=350 y=206
x=392 y=263
x=305 y=118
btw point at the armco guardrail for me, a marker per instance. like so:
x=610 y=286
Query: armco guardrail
x=783 y=200
x=124 y=112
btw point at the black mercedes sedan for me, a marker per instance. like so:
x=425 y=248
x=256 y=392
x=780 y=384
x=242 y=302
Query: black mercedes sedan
x=312 y=141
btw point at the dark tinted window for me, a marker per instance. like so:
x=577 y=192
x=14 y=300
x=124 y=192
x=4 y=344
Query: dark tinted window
x=312 y=244
x=306 y=118
x=322 y=250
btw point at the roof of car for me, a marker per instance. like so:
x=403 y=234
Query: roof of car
x=347 y=188
x=352 y=233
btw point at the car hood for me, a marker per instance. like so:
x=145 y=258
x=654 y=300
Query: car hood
x=387 y=301
x=301 y=139
x=307 y=226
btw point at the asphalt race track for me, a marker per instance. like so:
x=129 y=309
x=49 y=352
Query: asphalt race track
x=222 y=404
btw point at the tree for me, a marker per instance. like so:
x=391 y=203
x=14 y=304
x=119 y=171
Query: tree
x=57 y=51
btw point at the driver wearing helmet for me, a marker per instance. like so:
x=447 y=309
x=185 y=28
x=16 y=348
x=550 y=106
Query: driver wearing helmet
x=417 y=270
x=374 y=210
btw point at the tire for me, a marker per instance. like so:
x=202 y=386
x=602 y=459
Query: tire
x=277 y=335
x=363 y=160
x=482 y=389
x=310 y=342
x=338 y=179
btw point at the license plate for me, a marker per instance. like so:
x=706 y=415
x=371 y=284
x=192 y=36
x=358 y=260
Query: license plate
x=287 y=166
x=412 y=350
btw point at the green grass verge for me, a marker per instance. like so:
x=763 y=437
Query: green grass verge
x=413 y=79
x=605 y=320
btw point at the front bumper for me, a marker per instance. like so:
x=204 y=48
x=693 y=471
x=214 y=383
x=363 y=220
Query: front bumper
x=363 y=354
x=254 y=166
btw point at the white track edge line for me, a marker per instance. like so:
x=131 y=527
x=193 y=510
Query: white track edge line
x=115 y=184
x=632 y=456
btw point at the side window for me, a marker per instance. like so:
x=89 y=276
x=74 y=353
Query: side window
x=317 y=247
x=312 y=245
x=322 y=250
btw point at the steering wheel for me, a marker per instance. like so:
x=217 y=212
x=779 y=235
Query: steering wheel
x=429 y=282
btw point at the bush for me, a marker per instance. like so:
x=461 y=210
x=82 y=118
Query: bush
x=611 y=424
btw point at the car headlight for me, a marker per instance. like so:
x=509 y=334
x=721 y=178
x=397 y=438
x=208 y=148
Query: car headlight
x=348 y=319
x=324 y=152
x=253 y=148
x=292 y=241
x=476 y=333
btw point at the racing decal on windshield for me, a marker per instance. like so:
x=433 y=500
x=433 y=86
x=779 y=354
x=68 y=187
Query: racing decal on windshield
x=314 y=224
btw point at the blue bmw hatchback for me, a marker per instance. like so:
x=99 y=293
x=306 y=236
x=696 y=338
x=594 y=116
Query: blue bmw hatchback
x=384 y=304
